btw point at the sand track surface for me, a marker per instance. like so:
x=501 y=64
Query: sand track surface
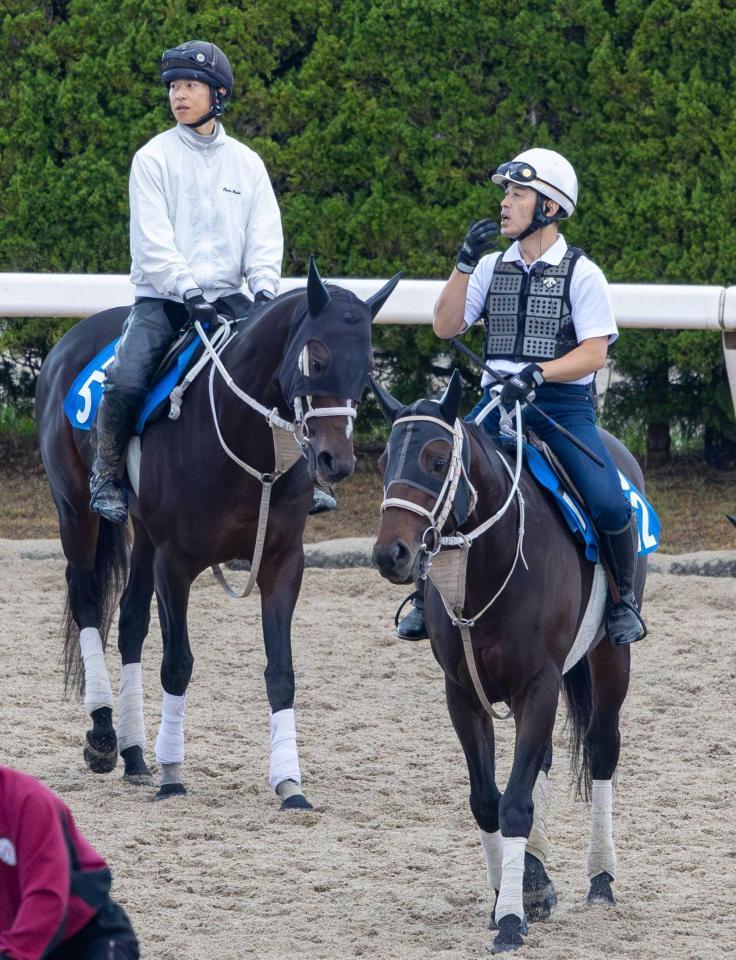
x=388 y=865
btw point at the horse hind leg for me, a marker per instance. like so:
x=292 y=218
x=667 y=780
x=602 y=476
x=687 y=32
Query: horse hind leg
x=88 y=580
x=610 y=677
x=540 y=897
x=135 y=617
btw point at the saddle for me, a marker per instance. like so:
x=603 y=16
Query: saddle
x=552 y=476
x=85 y=393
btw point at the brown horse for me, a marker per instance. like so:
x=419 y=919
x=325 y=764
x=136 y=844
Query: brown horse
x=518 y=608
x=203 y=482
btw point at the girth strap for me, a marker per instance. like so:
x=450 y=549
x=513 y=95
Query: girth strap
x=257 y=550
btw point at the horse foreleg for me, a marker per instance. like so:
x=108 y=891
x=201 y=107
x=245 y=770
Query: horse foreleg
x=279 y=582
x=609 y=667
x=135 y=617
x=475 y=733
x=534 y=713
x=173 y=582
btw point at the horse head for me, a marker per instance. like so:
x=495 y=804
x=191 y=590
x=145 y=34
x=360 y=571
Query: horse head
x=325 y=370
x=425 y=480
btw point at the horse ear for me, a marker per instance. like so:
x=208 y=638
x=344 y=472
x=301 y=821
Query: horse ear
x=377 y=300
x=389 y=405
x=317 y=293
x=450 y=402
x=732 y=519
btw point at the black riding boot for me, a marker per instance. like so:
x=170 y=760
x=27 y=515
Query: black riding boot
x=413 y=627
x=113 y=426
x=623 y=621
x=321 y=502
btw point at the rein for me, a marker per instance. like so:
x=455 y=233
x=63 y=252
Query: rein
x=447 y=568
x=290 y=439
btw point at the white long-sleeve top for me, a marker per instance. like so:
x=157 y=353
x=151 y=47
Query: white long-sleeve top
x=202 y=214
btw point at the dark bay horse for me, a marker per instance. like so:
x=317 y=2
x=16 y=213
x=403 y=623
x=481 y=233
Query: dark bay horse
x=198 y=506
x=518 y=604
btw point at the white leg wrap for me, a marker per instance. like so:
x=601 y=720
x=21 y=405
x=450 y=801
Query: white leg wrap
x=511 y=896
x=97 y=687
x=601 y=854
x=131 y=727
x=170 y=739
x=284 y=758
x=492 y=844
x=538 y=842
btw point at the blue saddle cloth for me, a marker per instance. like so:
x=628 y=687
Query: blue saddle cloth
x=647 y=521
x=83 y=398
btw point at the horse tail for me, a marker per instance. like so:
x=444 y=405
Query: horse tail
x=110 y=573
x=579 y=697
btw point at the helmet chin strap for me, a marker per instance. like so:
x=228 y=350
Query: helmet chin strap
x=539 y=219
x=215 y=112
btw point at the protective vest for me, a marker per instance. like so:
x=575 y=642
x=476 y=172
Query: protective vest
x=528 y=315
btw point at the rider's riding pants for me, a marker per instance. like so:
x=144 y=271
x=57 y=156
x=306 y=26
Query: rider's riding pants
x=571 y=405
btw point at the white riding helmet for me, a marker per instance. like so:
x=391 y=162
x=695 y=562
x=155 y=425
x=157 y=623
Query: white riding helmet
x=547 y=172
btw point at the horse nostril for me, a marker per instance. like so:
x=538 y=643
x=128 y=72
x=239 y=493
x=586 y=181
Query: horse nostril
x=399 y=553
x=325 y=462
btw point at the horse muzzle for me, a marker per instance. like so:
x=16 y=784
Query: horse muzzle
x=396 y=562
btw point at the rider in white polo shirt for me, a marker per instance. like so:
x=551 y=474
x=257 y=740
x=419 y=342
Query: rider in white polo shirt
x=549 y=322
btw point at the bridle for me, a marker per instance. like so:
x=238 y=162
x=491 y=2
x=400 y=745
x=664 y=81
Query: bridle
x=291 y=439
x=450 y=579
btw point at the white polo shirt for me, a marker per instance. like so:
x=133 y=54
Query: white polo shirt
x=590 y=301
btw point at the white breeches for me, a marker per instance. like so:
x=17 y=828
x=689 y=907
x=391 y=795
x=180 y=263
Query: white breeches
x=131 y=726
x=170 y=739
x=601 y=852
x=284 y=763
x=97 y=687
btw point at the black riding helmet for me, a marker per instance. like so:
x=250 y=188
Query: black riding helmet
x=203 y=61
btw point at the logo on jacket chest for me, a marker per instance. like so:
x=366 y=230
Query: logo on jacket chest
x=7 y=851
x=232 y=190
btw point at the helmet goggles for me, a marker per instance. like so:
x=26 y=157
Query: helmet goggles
x=519 y=171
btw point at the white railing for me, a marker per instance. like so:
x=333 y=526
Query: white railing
x=641 y=306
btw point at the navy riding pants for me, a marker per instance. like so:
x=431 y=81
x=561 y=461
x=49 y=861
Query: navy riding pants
x=571 y=405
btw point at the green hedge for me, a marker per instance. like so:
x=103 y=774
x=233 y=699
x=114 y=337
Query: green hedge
x=380 y=122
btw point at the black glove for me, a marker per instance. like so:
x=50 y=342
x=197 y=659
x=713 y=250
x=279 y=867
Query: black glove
x=263 y=296
x=199 y=309
x=480 y=238
x=521 y=385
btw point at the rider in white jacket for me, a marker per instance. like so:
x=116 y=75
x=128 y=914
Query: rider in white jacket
x=203 y=216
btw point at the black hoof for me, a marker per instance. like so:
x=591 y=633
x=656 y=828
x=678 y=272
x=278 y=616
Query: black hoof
x=600 y=890
x=136 y=771
x=509 y=935
x=167 y=790
x=296 y=802
x=102 y=755
x=540 y=898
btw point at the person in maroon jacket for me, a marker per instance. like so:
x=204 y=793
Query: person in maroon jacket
x=55 y=899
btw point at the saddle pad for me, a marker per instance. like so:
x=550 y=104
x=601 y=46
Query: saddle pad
x=647 y=521
x=83 y=398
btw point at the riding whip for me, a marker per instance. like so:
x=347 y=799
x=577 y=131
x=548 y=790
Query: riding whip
x=499 y=379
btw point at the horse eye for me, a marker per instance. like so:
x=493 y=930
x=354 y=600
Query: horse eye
x=439 y=465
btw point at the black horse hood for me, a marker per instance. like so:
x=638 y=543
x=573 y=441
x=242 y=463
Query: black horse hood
x=404 y=459
x=309 y=368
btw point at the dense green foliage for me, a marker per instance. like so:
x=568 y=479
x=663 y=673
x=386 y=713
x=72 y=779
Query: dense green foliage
x=380 y=121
